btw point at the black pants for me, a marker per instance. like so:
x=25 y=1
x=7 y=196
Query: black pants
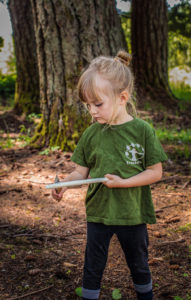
x=134 y=242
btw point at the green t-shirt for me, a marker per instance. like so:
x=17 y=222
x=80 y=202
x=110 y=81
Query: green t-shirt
x=124 y=150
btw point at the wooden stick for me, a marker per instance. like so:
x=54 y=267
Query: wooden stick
x=32 y=293
x=167 y=178
x=4 y=226
x=39 y=235
x=170 y=242
x=185 y=184
x=161 y=209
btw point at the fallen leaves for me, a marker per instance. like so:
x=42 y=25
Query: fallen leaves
x=46 y=254
x=172 y=220
x=174 y=267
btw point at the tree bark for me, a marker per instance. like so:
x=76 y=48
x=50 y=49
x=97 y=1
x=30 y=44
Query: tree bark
x=69 y=35
x=149 y=35
x=27 y=97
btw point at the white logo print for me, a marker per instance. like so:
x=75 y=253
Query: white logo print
x=134 y=153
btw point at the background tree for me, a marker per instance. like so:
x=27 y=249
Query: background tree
x=27 y=82
x=149 y=32
x=68 y=37
x=179 y=34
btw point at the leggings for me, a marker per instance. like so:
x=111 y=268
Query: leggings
x=134 y=242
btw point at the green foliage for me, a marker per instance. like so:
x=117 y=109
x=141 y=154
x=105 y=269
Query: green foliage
x=184 y=228
x=47 y=151
x=22 y=128
x=189 y=251
x=174 y=136
x=25 y=135
x=33 y=116
x=116 y=294
x=181 y=90
x=7 y=86
x=1 y=43
x=126 y=26
x=78 y=291
x=11 y=62
x=6 y=143
x=188 y=297
x=179 y=18
x=179 y=50
x=179 y=33
x=54 y=148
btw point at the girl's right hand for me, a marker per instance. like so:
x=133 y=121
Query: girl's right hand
x=58 y=196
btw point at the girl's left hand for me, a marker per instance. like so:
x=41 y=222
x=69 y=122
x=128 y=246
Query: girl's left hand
x=113 y=182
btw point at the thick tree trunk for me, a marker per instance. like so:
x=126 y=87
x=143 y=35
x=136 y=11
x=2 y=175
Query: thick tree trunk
x=150 y=52
x=27 y=97
x=69 y=35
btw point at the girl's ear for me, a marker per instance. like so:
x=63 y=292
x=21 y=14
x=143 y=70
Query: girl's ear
x=124 y=96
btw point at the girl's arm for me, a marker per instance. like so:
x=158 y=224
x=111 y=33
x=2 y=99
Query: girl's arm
x=79 y=173
x=150 y=175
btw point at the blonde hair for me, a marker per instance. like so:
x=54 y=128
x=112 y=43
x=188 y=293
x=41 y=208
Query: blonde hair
x=117 y=74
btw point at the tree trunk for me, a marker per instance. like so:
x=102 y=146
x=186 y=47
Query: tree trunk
x=27 y=98
x=69 y=35
x=149 y=35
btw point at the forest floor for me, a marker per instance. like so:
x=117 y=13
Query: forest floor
x=42 y=241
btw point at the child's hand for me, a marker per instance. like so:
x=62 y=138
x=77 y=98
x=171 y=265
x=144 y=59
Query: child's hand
x=58 y=196
x=114 y=181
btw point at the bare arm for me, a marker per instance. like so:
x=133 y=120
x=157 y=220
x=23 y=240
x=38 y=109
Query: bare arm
x=79 y=173
x=150 y=175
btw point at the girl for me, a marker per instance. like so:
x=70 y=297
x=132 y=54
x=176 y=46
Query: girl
x=126 y=150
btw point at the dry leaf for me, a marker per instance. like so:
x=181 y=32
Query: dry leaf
x=25 y=173
x=155 y=260
x=34 y=271
x=69 y=265
x=174 y=267
x=157 y=234
x=37 y=242
x=30 y=257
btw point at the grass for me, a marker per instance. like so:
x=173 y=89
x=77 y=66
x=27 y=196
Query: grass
x=180 y=139
x=184 y=228
x=6 y=143
x=173 y=136
x=182 y=92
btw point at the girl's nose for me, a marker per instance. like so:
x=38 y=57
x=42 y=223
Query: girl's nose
x=93 y=109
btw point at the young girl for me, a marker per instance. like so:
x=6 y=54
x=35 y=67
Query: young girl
x=125 y=150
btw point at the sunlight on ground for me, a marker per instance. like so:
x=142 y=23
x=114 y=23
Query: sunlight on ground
x=180 y=75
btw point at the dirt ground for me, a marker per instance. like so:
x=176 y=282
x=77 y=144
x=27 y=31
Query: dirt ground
x=42 y=241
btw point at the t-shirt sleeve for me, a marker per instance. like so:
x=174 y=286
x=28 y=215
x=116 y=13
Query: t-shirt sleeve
x=78 y=155
x=154 y=151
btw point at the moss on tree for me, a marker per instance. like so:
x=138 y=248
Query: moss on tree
x=63 y=132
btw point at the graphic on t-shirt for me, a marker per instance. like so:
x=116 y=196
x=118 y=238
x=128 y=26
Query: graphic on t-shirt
x=134 y=153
